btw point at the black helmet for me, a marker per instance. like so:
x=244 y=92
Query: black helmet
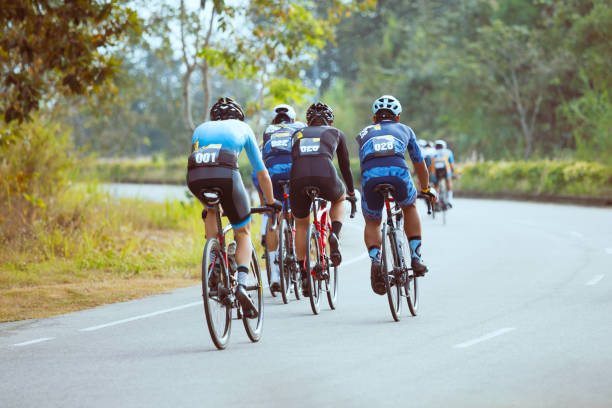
x=226 y=108
x=320 y=110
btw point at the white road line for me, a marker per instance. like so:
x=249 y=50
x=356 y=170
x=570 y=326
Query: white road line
x=26 y=343
x=485 y=337
x=595 y=280
x=609 y=251
x=354 y=260
x=144 y=316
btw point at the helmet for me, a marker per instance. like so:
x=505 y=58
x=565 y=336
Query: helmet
x=387 y=102
x=283 y=110
x=226 y=108
x=320 y=110
x=440 y=144
x=422 y=143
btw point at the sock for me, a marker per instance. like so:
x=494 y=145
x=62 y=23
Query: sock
x=264 y=224
x=415 y=246
x=336 y=227
x=275 y=269
x=374 y=252
x=449 y=194
x=243 y=272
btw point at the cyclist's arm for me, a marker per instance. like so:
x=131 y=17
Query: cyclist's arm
x=345 y=163
x=414 y=151
x=451 y=160
x=256 y=161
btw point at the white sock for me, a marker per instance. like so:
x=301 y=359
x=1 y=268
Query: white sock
x=242 y=277
x=275 y=271
x=450 y=196
x=264 y=224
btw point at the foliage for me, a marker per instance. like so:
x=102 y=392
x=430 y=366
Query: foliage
x=538 y=177
x=49 y=47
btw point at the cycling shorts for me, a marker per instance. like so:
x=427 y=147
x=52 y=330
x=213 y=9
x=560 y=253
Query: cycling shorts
x=372 y=202
x=440 y=174
x=318 y=172
x=234 y=198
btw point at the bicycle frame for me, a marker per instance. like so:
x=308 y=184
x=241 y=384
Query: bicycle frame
x=322 y=224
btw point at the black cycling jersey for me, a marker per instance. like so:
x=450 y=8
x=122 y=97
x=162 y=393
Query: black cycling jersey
x=314 y=143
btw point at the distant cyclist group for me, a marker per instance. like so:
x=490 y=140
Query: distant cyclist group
x=298 y=157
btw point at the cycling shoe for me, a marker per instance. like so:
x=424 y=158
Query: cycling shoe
x=248 y=307
x=418 y=266
x=305 y=284
x=275 y=287
x=334 y=249
x=376 y=278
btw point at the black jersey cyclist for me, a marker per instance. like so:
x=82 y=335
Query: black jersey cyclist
x=381 y=154
x=214 y=163
x=276 y=152
x=312 y=153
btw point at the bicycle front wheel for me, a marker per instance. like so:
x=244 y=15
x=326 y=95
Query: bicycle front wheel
x=216 y=294
x=313 y=266
x=411 y=286
x=254 y=327
x=388 y=266
x=284 y=247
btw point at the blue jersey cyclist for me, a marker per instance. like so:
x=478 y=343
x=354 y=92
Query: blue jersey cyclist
x=382 y=146
x=442 y=167
x=276 y=152
x=213 y=163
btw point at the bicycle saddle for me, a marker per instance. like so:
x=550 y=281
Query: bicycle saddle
x=212 y=196
x=384 y=188
x=283 y=182
x=312 y=191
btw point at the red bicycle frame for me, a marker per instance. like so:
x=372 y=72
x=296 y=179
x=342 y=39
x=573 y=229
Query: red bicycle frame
x=322 y=224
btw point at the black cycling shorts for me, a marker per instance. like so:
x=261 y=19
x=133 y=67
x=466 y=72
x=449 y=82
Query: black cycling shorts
x=318 y=173
x=440 y=174
x=234 y=198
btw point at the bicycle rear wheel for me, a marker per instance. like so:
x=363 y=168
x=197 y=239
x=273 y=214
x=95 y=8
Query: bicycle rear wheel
x=283 y=264
x=254 y=327
x=388 y=264
x=312 y=266
x=215 y=293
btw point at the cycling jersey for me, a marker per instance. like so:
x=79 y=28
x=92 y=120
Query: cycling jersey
x=214 y=163
x=381 y=155
x=441 y=161
x=313 y=149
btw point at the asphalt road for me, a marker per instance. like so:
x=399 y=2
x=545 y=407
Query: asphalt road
x=516 y=311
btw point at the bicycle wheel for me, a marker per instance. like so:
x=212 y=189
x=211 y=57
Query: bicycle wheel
x=411 y=286
x=254 y=327
x=215 y=293
x=283 y=264
x=312 y=266
x=388 y=264
x=331 y=284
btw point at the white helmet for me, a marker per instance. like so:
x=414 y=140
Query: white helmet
x=422 y=143
x=387 y=102
x=440 y=144
x=284 y=109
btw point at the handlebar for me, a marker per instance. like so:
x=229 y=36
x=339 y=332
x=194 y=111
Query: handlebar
x=427 y=200
x=353 y=208
x=266 y=209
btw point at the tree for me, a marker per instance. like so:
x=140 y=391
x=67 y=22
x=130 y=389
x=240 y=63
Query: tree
x=49 y=47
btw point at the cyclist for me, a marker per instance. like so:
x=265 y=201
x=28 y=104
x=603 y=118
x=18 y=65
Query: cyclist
x=312 y=153
x=276 y=152
x=382 y=146
x=221 y=140
x=442 y=167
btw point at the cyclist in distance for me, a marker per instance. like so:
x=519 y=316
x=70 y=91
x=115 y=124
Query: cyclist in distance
x=312 y=153
x=213 y=163
x=276 y=152
x=382 y=146
x=442 y=167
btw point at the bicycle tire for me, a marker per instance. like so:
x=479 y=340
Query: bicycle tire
x=218 y=315
x=411 y=287
x=254 y=327
x=331 y=286
x=388 y=264
x=284 y=267
x=313 y=255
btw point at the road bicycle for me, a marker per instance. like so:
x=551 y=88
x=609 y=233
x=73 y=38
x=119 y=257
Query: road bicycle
x=441 y=206
x=287 y=259
x=219 y=281
x=400 y=279
x=323 y=275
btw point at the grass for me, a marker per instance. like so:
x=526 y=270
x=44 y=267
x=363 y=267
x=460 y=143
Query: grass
x=85 y=249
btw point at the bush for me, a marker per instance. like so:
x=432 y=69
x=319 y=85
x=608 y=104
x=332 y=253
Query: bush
x=538 y=177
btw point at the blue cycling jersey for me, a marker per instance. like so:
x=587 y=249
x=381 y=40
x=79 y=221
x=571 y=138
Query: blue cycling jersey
x=233 y=135
x=276 y=147
x=385 y=144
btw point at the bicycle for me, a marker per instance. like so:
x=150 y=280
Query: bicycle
x=318 y=257
x=441 y=205
x=219 y=282
x=287 y=259
x=400 y=279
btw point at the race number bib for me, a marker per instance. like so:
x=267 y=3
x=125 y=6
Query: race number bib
x=383 y=145
x=310 y=147
x=281 y=141
x=207 y=154
x=439 y=163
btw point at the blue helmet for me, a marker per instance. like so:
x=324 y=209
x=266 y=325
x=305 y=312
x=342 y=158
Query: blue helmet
x=387 y=102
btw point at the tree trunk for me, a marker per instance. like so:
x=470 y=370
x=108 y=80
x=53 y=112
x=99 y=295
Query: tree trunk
x=187 y=100
x=205 y=88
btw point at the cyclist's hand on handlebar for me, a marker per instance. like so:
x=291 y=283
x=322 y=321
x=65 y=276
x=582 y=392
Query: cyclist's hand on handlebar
x=431 y=192
x=276 y=206
x=350 y=197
